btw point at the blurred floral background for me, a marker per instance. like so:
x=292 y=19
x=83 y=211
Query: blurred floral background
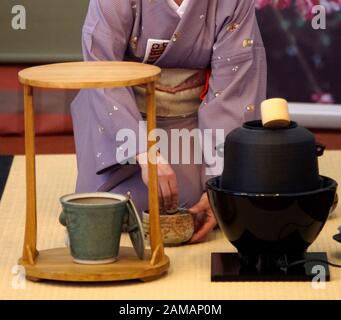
x=304 y=64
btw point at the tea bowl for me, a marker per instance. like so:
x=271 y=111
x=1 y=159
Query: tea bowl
x=176 y=229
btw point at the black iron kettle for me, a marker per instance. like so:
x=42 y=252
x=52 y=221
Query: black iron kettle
x=265 y=160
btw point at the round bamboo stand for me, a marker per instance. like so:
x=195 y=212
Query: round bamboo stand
x=57 y=264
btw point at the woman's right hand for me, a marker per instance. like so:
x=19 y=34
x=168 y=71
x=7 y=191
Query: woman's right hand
x=168 y=188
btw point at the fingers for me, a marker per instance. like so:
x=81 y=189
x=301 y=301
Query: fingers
x=168 y=185
x=197 y=208
x=205 y=227
x=201 y=206
x=166 y=193
x=203 y=232
x=168 y=189
x=161 y=204
x=199 y=220
x=173 y=186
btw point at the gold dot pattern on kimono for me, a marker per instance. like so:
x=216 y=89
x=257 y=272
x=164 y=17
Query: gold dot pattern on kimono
x=217 y=94
x=100 y=129
x=98 y=154
x=235 y=68
x=133 y=42
x=202 y=16
x=176 y=36
x=232 y=27
x=115 y=108
x=250 y=108
x=247 y=43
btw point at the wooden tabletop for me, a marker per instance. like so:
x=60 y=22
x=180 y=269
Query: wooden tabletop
x=98 y=74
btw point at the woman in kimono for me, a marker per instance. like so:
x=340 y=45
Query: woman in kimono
x=213 y=77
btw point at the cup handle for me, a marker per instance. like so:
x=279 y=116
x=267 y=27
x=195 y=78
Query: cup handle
x=320 y=149
x=62 y=218
x=220 y=150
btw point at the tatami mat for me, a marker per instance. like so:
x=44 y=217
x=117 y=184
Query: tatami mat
x=189 y=275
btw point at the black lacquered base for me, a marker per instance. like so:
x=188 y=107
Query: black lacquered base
x=229 y=267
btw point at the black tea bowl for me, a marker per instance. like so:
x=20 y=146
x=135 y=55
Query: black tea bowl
x=272 y=223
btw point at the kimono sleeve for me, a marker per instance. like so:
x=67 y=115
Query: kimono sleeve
x=105 y=36
x=238 y=80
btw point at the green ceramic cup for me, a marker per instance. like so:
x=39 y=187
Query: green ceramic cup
x=94 y=224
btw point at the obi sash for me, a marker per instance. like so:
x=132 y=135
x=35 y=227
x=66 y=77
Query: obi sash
x=178 y=92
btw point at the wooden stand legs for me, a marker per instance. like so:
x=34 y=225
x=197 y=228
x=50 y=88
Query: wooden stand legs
x=30 y=242
x=156 y=242
x=57 y=264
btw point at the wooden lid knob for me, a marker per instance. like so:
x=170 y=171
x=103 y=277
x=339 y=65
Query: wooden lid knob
x=275 y=113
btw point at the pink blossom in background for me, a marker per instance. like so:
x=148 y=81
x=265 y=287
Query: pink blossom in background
x=259 y=4
x=322 y=97
x=304 y=7
x=278 y=4
x=294 y=17
x=331 y=5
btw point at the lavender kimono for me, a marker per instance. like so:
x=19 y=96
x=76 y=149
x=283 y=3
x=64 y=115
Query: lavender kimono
x=218 y=34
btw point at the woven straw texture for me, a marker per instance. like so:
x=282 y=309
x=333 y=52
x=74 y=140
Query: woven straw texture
x=189 y=275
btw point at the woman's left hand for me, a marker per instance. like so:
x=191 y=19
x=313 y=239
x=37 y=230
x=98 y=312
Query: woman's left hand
x=204 y=218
